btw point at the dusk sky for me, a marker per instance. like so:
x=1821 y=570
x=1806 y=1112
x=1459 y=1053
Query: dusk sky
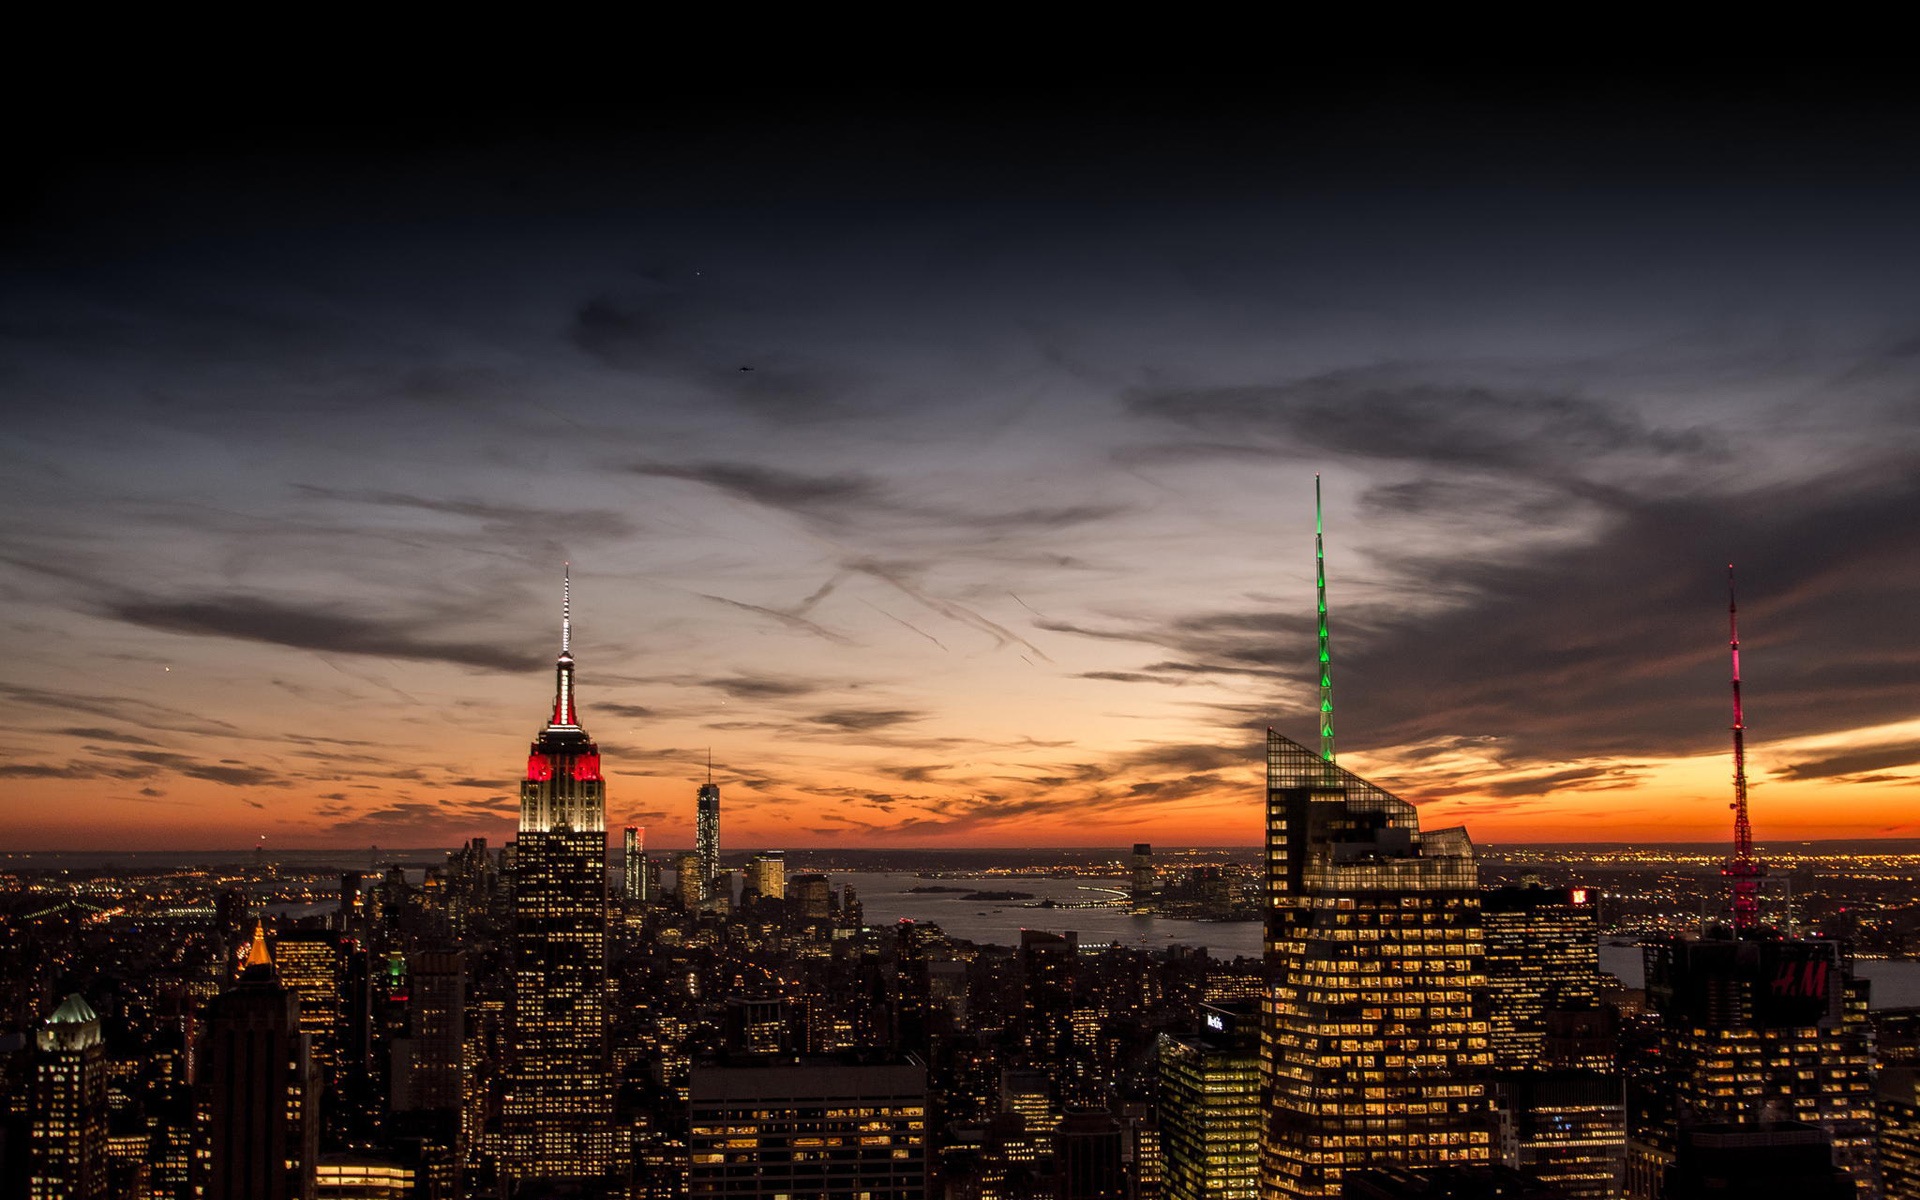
x=946 y=468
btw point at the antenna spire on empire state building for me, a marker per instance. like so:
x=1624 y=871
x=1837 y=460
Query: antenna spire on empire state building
x=566 y=714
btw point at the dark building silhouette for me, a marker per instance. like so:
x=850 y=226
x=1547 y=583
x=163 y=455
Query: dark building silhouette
x=1048 y=965
x=259 y=1129
x=1087 y=1159
x=1784 y=1160
x=1445 y=1183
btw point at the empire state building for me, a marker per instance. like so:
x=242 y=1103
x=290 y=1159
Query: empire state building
x=557 y=1108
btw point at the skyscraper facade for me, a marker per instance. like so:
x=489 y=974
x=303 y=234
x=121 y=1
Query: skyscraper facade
x=1755 y=1029
x=69 y=1131
x=634 y=866
x=706 y=834
x=1209 y=1084
x=825 y=1128
x=767 y=874
x=557 y=1106
x=1376 y=1039
x=259 y=1127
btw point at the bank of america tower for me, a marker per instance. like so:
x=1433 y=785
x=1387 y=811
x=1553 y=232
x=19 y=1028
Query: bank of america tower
x=557 y=1108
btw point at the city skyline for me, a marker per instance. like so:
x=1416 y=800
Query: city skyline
x=952 y=491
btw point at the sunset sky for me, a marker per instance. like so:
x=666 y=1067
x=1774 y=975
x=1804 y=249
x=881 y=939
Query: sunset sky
x=946 y=468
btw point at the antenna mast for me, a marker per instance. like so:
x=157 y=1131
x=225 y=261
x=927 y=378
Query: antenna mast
x=566 y=608
x=1744 y=868
x=1326 y=659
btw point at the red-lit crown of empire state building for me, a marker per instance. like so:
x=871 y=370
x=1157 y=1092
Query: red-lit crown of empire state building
x=557 y=1109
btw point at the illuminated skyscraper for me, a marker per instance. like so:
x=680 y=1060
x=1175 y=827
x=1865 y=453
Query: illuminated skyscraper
x=1755 y=1029
x=557 y=1106
x=1543 y=957
x=1210 y=1106
x=312 y=965
x=688 y=884
x=1376 y=1039
x=767 y=874
x=69 y=1132
x=706 y=833
x=1896 y=1116
x=634 y=864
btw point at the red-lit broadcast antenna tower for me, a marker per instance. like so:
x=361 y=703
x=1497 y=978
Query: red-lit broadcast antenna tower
x=1745 y=867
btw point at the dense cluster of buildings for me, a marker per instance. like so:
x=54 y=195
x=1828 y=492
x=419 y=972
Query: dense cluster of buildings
x=511 y=1024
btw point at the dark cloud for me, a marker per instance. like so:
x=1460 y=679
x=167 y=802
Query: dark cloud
x=830 y=495
x=630 y=711
x=45 y=771
x=1573 y=779
x=229 y=772
x=507 y=520
x=1396 y=412
x=840 y=499
x=306 y=628
x=108 y=735
x=1616 y=645
x=763 y=687
x=865 y=719
x=1877 y=758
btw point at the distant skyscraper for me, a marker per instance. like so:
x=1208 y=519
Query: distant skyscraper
x=707 y=830
x=260 y=1092
x=690 y=883
x=1142 y=881
x=1048 y=963
x=69 y=1132
x=634 y=865
x=767 y=874
x=427 y=1066
x=557 y=1108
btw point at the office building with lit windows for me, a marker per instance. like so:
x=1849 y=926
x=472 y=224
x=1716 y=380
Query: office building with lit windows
x=1543 y=957
x=68 y=1136
x=1561 y=1100
x=1376 y=1040
x=1896 y=1119
x=767 y=875
x=634 y=866
x=556 y=1108
x=1210 y=1119
x=823 y=1128
x=1756 y=1029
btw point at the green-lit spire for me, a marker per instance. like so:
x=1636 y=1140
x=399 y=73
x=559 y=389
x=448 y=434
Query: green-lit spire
x=1326 y=659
